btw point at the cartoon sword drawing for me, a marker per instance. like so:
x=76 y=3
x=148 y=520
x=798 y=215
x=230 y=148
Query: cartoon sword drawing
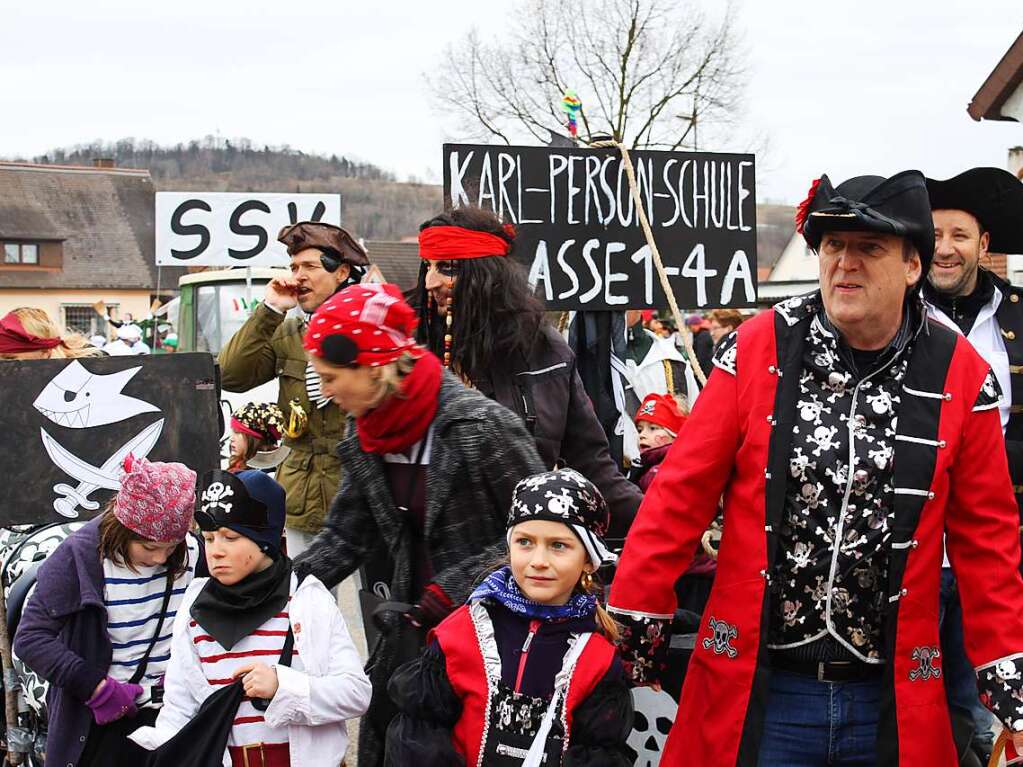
x=90 y=477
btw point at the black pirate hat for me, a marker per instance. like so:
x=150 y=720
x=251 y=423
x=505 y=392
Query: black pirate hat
x=991 y=195
x=250 y=502
x=898 y=205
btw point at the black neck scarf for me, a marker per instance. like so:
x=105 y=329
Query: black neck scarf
x=963 y=310
x=231 y=613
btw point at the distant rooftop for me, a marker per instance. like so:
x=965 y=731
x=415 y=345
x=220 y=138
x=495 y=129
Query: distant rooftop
x=101 y=217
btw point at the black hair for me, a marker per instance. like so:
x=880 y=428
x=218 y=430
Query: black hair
x=496 y=317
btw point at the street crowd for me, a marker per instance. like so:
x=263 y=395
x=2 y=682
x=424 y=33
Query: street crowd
x=838 y=506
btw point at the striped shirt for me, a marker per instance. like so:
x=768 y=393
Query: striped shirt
x=263 y=645
x=133 y=601
x=312 y=387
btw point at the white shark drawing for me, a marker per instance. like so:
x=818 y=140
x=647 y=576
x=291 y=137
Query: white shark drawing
x=78 y=399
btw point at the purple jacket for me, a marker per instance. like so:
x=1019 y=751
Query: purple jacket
x=63 y=637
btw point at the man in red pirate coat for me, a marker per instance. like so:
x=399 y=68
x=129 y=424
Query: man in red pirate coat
x=846 y=433
x=977 y=212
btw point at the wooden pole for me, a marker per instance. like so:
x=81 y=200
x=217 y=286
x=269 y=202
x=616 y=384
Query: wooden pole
x=683 y=329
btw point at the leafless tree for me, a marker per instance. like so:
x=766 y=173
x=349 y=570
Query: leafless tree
x=651 y=73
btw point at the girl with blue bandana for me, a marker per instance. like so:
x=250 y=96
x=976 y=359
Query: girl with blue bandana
x=525 y=673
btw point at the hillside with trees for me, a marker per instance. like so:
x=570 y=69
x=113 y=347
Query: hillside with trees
x=374 y=205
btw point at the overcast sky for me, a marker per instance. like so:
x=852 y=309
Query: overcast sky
x=845 y=88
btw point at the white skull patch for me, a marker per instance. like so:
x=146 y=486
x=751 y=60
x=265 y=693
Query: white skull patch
x=655 y=712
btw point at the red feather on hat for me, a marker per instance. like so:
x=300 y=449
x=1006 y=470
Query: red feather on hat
x=804 y=207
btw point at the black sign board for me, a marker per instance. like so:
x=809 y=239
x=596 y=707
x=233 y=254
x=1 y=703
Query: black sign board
x=579 y=231
x=68 y=425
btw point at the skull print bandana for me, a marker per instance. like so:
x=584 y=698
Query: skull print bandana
x=566 y=496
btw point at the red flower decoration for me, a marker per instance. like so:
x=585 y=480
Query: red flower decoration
x=804 y=207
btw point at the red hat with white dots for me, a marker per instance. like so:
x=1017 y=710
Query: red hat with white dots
x=369 y=325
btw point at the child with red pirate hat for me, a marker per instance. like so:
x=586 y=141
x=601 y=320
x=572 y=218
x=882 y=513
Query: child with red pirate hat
x=658 y=421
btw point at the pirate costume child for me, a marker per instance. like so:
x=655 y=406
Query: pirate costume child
x=662 y=412
x=249 y=614
x=256 y=433
x=508 y=681
x=98 y=624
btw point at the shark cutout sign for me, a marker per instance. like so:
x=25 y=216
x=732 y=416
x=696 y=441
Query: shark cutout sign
x=79 y=399
x=69 y=425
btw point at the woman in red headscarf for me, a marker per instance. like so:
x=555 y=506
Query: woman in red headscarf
x=479 y=314
x=429 y=470
x=29 y=334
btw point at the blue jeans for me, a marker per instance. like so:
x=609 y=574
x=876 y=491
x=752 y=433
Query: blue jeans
x=820 y=724
x=960 y=678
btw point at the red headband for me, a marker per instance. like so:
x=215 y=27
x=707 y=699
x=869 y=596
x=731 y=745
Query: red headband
x=14 y=339
x=452 y=243
x=238 y=426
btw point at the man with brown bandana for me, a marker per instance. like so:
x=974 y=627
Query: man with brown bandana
x=269 y=345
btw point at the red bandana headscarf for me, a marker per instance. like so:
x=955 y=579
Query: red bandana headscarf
x=375 y=323
x=14 y=339
x=371 y=325
x=453 y=243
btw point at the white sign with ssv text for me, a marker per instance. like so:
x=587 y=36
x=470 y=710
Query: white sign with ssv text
x=231 y=228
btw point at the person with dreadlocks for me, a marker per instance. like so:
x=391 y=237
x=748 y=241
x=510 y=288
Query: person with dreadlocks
x=324 y=258
x=479 y=315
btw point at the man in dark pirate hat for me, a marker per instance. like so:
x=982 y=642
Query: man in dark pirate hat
x=324 y=258
x=848 y=436
x=976 y=213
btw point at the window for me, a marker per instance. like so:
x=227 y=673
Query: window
x=220 y=310
x=82 y=318
x=21 y=253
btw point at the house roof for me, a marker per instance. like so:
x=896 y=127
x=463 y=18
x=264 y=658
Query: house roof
x=1004 y=80
x=397 y=261
x=103 y=216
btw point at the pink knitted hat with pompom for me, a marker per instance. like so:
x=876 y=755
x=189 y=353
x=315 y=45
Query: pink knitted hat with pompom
x=156 y=500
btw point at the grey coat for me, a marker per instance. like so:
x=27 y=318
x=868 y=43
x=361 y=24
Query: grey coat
x=480 y=450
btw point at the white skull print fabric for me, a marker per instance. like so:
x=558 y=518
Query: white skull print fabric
x=726 y=352
x=1001 y=690
x=562 y=495
x=839 y=496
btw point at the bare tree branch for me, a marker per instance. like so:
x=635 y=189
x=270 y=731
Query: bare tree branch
x=652 y=73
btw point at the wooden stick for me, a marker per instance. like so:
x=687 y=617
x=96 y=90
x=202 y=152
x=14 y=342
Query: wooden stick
x=687 y=338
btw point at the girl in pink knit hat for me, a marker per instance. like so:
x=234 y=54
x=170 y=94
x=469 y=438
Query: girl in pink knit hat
x=98 y=626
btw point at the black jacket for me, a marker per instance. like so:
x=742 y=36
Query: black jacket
x=1010 y=321
x=1009 y=316
x=546 y=392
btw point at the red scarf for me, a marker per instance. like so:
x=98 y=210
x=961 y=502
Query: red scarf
x=403 y=419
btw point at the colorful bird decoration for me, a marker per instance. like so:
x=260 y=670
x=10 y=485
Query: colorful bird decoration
x=571 y=106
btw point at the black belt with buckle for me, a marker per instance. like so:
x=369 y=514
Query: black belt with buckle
x=828 y=671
